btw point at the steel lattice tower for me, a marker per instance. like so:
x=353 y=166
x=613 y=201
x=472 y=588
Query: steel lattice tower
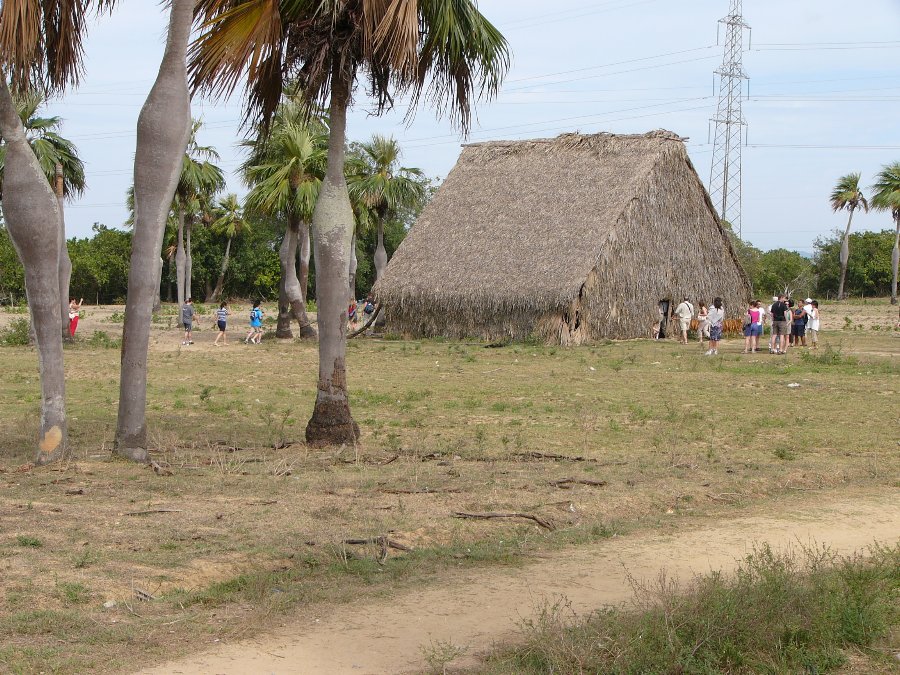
x=725 y=174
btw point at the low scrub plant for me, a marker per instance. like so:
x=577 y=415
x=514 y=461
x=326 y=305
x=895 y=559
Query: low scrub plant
x=16 y=334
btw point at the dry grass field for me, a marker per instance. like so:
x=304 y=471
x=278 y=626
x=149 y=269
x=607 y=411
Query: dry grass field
x=105 y=565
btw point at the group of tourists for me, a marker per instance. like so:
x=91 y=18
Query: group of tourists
x=253 y=337
x=789 y=323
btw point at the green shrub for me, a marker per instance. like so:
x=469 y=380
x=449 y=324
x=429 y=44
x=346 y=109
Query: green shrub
x=102 y=340
x=16 y=334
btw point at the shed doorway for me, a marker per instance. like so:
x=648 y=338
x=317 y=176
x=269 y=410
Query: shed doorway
x=664 y=307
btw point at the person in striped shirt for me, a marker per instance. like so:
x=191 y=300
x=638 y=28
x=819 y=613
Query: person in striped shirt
x=221 y=319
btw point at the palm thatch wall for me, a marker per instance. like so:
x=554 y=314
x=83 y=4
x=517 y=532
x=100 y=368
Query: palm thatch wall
x=574 y=239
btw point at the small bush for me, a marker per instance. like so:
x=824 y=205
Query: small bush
x=830 y=356
x=28 y=541
x=116 y=317
x=17 y=334
x=102 y=340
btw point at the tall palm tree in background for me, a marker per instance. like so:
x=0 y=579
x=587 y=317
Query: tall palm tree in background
x=40 y=49
x=886 y=197
x=847 y=195
x=284 y=172
x=376 y=180
x=163 y=130
x=60 y=163
x=446 y=51
x=230 y=223
x=198 y=184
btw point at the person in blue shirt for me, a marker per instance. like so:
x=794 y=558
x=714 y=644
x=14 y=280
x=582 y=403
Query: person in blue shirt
x=256 y=331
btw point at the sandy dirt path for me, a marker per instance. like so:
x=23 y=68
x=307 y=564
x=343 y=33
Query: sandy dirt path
x=479 y=608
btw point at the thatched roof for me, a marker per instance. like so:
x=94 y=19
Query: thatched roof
x=521 y=224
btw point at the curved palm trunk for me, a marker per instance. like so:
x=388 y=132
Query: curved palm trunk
x=304 y=261
x=162 y=135
x=845 y=256
x=188 y=260
x=331 y=422
x=220 y=282
x=180 y=258
x=381 y=258
x=895 y=258
x=33 y=218
x=65 y=263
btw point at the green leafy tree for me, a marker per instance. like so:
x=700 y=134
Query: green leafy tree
x=847 y=195
x=886 y=197
x=868 y=272
x=446 y=51
x=375 y=179
x=198 y=184
x=284 y=171
x=784 y=271
x=229 y=223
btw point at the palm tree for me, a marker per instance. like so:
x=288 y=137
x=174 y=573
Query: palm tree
x=198 y=183
x=377 y=181
x=886 y=197
x=284 y=171
x=446 y=51
x=847 y=195
x=40 y=49
x=60 y=163
x=163 y=131
x=229 y=223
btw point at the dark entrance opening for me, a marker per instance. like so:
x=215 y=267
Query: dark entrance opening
x=664 y=307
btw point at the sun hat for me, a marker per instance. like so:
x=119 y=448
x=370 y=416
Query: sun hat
x=808 y=300
x=775 y=298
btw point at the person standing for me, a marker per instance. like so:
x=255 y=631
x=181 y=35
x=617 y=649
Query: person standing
x=684 y=312
x=187 y=320
x=752 y=327
x=771 y=324
x=716 y=321
x=702 y=322
x=814 y=324
x=74 y=315
x=780 y=325
x=221 y=322
x=798 y=325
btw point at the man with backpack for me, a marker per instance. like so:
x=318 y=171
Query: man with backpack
x=781 y=325
x=684 y=312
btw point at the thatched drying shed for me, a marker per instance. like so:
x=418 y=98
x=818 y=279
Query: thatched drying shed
x=571 y=239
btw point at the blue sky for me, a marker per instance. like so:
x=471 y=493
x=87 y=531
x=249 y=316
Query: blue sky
x=824 y=98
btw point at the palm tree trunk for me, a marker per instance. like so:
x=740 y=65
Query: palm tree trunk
x=65 y=263
x=287 y=256
x=163 y=130
x=188 y=260
x=381 y=258
x=331 y=422
x=32 y=215
x=180 y=258
x=157 y=300
x=895 y=258
x=845 y=256
x=304 y=260
x=220 y=283
x=354 y=265
x=293 y=291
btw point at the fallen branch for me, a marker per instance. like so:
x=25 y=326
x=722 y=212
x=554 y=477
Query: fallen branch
x=419 y=491
x=150 y=511
x=390 y=460
x=567 y=483
x=265 y=502
x=75 y=491
x=368 y=323
x=487 y=516
x=160 y=470
x=553 y=456
x=383 y=541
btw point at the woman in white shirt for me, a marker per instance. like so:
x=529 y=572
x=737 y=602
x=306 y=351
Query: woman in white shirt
x=716 y=319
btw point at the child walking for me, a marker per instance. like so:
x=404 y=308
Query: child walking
x=255 y=334
x=221 y=319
